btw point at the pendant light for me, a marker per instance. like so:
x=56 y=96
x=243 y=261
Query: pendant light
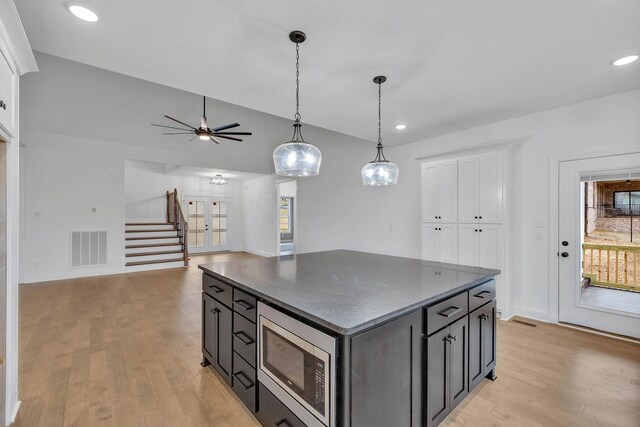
x=380 y=171
x=218 y=180
x=297 y=157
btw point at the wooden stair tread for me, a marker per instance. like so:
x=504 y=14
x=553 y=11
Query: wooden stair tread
x=155 y=253
x=151 y=238
x=157 y=261
x=152 y=245
x=150 y=231
x=147 y=223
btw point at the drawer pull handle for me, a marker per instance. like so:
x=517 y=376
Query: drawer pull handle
x=282 y=423
x=482 y=294
x=449 y=311
x=216 y=289
x=244 y=305
x=246 y=339
x=242 y=378
x=3 y=105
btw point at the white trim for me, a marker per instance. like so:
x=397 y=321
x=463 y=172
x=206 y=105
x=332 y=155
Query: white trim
x=510 y=144
x=257 y=252
x=12 y=32
x=532 y=313
x=597 y=332
x=14 y=414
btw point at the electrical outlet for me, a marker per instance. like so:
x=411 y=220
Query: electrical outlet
x=539 y=234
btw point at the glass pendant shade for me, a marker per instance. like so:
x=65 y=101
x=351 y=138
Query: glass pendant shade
x=380 y=173
x=297 y=158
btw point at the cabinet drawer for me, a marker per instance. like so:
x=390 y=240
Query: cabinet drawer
x=217 y=289
x=7 y=93
x=244 y=382
x=245 y=304
x=273 y=413
x=480 y=295
x=446 y=312
x=244 y=338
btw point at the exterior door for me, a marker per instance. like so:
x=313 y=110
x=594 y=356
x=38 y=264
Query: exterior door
x=572 y=308
x=208 y=220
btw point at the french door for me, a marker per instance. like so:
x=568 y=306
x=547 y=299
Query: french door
x=575 y=306
x=208 y=220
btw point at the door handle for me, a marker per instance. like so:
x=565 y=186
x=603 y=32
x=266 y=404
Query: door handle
x=244 y=380
x=564 y=254
x=244 y=305
x=482 y=294
x=449 y=311
x=216 y=289
x=246 y=339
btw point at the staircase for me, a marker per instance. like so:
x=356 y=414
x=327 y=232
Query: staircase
x=156 y=245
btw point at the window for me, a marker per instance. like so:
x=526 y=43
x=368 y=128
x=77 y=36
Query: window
x=285 y=214
x=627 y=201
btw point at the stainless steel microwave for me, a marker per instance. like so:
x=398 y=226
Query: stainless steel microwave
x=297 y=364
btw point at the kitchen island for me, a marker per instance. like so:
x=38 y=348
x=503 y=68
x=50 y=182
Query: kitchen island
x=408 y=338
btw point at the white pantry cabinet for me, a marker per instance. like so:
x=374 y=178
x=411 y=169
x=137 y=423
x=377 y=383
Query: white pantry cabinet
x=480 y=245
x=8 y=85
x=480 y=189
x=439 y=191
x=440 y=242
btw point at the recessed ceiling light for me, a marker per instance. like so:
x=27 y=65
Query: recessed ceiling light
x=626 y=60
x=83 y=13
x=401 y=127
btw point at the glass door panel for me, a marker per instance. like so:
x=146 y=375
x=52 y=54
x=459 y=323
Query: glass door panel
x=197 y=225
x=218 y=225
x=207 y=224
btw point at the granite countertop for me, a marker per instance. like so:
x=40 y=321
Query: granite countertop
x=347 y=291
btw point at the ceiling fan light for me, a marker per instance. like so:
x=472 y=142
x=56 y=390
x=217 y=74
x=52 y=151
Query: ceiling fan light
x=297 y=158
x=380 y=173
x=204 y=137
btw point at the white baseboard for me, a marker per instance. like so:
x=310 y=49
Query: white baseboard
x=257 y=252
x=531 y=313
x=14 y=414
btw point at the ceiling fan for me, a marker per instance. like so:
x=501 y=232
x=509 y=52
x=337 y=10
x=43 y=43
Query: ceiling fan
x=204 y=132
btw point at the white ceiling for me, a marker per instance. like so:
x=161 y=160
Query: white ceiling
x=452 y=64
x=193 y=171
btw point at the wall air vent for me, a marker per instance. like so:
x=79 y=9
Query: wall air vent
x=88 y=248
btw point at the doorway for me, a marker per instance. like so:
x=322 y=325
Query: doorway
x=287 y=218
x=208 y=224
x=598 y=259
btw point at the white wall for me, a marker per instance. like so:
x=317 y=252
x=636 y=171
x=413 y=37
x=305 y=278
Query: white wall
x=259 y=204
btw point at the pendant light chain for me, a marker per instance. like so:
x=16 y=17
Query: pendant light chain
x=380 y=154
x=297 y=116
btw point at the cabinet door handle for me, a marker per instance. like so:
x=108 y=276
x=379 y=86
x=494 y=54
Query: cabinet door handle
x=3 y=105
x=216 y=289
x=449 y=311
x=215 y=310
x=484 y=316
x=451 y=338
x=482 y=294
x=244 y=380
x=244 y=305
x=282 y=423
x=479 y=217
x=246 y=339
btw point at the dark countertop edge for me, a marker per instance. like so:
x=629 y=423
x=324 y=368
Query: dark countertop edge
x=363 y=326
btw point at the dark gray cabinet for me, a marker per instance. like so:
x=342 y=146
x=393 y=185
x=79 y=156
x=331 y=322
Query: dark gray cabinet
x=217 y=336
x=446 y=370
x=482 y=343
x=385 y=363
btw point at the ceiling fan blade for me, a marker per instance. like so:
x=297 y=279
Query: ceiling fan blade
x=233 y=133
x=191 y=139
x=178 y=121
x=229 y=137
x=214 y=140
x=177 y=133
x=232 y=125
x=168 y=127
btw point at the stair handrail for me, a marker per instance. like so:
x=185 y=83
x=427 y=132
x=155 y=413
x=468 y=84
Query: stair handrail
x=175 y=216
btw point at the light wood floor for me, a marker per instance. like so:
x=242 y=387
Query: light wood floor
x=125 y=351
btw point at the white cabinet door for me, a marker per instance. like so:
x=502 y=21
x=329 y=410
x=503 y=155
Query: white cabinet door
x=448 y=244
x=429 y=185
x=430 y=244
x=468 y=244
x=490 y=189
x=8 y=94
x=448 y=191
x=468 y=190
x=489 y=246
